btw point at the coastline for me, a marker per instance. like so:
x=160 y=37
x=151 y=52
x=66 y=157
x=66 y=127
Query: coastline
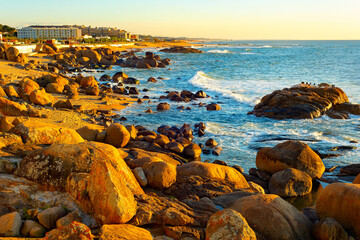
x=153 y=179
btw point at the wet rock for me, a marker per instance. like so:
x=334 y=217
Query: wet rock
x=75 y=230
x=286 y=221
x=119 y=77
x=124 y=231
x=200 y=94
x=49 y=216
x=290 y=183
x=290 y=154
x=213 y=107
x=330 y=204
x=10 y=225
x=134 y=90
x=192 y=150
x=299 y=102
x=163 y=107
x=34 y=132
x=152 y=80
x=352 y=169
x=213 y=171
x=211 y=143
x=328 y=228
x=117 y=135
x=228 y=225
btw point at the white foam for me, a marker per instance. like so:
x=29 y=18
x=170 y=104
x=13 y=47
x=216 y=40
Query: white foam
x=218 y=51
x=266 y=46
x=200 y=79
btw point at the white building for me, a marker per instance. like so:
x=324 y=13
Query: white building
x=0 y=36
x=49 y=32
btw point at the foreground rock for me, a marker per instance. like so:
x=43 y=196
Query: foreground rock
x=272 y=218
x=331 y=204
x=228 y=225
x=124 y=231
x=213 y=171
x=10 y=108
x=290 y=183
x=34 y=132
x=300 y=102
x=290 y=154
x=117 y=135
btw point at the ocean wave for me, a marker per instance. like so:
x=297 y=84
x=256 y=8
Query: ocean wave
x=218 y=51
x=200 y=79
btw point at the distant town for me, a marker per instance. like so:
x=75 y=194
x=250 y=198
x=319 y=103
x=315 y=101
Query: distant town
x=70 y=34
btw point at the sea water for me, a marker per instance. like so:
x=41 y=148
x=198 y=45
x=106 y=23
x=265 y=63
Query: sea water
x=237 y=74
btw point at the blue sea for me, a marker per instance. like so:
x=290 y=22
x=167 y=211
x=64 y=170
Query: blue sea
x=237 y=74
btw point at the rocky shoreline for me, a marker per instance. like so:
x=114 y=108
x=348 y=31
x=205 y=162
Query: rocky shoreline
x=71 y=169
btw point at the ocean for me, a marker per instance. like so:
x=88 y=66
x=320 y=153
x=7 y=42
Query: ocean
x=237 y=74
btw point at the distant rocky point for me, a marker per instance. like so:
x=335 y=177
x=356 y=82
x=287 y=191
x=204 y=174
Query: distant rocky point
x=181 y=50
x=306 y=101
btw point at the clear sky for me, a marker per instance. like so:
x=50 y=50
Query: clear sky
x=228 y=19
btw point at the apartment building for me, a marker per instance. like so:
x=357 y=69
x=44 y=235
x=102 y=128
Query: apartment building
x=49 y=32
x=104 y=31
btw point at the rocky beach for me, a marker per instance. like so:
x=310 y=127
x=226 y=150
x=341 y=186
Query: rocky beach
x=96 y=144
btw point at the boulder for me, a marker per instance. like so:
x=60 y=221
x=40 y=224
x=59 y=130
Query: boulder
x=92 y=90
x=163 y=107
x=2 y=92
x=142 y=64
x=152 y=80
x=94 y=56
x=48 y=50
x=117 y=135
x=54 y=88
x=68 y=219
x=213 y=107
x=89 y=81
x=160 y=174
x=10 y=225
x=113 y=202
x=286 y=221
x=341 y=201
x=84 y=61
x=357 y=179
x=328 y=228
x=290 y=154
x=5 y=126
x=299 y=102
x=290 y=183
x=29 y=229
x=213 y=171
x=49 y=216
x=40 y=97
x=88 y=132
x=10 y=108
x=192 y=150
x=119 y=77
x=73 y=231
x=140 y=176
x=124 y=232
x=35 y=132
x=63 y=104
x=12 y=53
x=26 y=86
x=180 y=49
x=134 y=90
x=228 y=225
x=174 y=146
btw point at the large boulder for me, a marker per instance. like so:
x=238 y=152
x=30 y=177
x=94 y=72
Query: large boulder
x=89 y=81
x=124 y=232
x=113 y=202
x=290 y=154
x=299 y=102
x=117 y=135
x=35 y=132
x=41 y=97
x=341 y=201
x=228 y=225
x=160 y=174
x=10 y=108
x=290 y=183
x=213 y=171
x=54 y=88
x=52 y=165
x=26 y=86
x=272 y=218
x=48 y=50
x=12 y=53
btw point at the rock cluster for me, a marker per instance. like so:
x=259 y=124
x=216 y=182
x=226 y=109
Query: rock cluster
x=306 y=101
x=181 y=50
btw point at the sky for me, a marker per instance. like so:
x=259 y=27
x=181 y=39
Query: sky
x=220 y=19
